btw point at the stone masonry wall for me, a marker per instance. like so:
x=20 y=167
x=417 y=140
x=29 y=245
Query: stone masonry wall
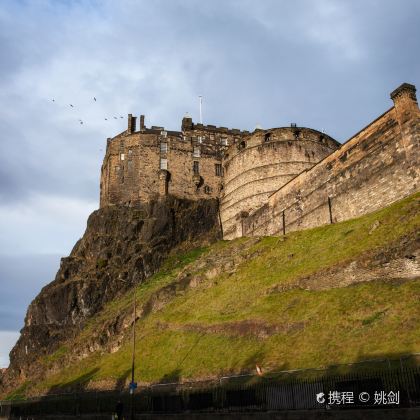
x=269 y=181
x=263 y=163
x=142 y=165
x=376 y=167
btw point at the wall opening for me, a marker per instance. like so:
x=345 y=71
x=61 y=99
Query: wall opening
x=164 y=164
x=196 y=151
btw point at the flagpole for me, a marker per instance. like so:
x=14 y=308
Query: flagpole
x=201 y=114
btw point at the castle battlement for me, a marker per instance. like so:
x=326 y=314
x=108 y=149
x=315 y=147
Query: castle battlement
x=143 y=164
x=269 y=181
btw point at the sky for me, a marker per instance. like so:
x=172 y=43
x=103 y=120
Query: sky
x=325 y=64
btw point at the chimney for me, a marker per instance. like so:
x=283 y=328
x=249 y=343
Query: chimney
x=142 y=126
x=187 y=123
x=131 y=124
x=405 y=102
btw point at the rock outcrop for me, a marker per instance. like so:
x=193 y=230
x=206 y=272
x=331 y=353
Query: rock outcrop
x=122 y=247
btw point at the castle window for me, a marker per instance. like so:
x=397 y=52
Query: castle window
x=211 y=136
x=224 y=141
x=164 y=164
x=241 y=145
x=163 y=133
x=130 y=152
x=218 y=169
x=267 y=137
x=196 y=167
x=207 y=189
x=196 y=152
x=163 y=147
x=130 y=165
x=122 y=156
x=200 y=139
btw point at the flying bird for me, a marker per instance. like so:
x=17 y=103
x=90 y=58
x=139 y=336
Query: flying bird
x=116 y=118
x=106 y=119
x=94 y=99
x=53 y=100
x=71 y=105
x=81 y=122
x=121 y=117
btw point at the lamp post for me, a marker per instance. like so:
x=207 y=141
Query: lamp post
x=133 y=385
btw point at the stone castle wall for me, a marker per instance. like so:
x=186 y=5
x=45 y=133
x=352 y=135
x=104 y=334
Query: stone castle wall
x=261 y=164
x=269 y=181
x=376 y=167
x=142 y=165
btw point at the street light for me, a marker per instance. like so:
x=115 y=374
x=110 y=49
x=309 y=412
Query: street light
x=133 y=385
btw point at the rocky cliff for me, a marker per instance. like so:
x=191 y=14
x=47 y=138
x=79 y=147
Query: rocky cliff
x=340 y=294
x=122 y=247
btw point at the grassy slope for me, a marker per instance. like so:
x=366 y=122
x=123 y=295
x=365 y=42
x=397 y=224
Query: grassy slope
x=320 y=328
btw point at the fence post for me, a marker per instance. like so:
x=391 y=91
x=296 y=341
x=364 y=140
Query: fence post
x=407 y=385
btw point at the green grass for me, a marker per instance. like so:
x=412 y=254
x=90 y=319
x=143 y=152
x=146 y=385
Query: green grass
x=20 y=392
x=316 y=328
x=172 y=266
x=61 y=351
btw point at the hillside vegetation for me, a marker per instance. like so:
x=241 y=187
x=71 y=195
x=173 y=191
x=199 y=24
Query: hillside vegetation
x=335 y=294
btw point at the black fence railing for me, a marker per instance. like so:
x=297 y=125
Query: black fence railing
x=381 y=389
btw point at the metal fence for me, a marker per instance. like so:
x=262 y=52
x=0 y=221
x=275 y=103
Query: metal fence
x=357 y=390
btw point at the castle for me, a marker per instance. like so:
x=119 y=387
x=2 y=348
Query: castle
x=269 y=182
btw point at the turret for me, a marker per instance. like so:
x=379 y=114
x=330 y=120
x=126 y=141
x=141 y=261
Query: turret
x=405 y=102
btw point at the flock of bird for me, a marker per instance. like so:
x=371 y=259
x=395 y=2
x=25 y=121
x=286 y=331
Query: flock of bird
x=81 y=121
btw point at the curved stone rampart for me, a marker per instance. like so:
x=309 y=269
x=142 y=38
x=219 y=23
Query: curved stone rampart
x=261 y=164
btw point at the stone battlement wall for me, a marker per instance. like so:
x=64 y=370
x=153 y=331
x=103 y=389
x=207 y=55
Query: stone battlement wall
x=376 y=167
x=269 y=181
x=261 y=163
x=151 y=162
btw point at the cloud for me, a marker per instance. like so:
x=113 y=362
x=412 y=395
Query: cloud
x=43 y=224
x=21 y=279
x=7 y=341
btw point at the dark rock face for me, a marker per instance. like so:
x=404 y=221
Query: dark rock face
x=122 y=246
